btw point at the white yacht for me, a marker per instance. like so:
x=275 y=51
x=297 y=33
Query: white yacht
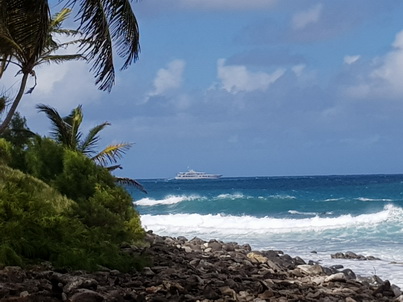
x=192 y=174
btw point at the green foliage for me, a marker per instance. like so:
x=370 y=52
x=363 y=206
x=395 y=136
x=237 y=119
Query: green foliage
x=19 y=135
x=44 y=159
x=8 y=256
x=5 y=151
x=81 y=229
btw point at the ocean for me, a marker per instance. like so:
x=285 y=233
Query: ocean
x=311 y=217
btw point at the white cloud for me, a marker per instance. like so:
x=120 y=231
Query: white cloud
x=304 y=18
x=227 y=4
x=236 y=78
x=168 y=78
x=385 y=79
x=351 y=59
x=298 y=69
x=391 y=70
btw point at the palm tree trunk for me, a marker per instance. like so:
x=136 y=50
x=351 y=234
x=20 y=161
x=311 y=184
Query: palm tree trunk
x=16 y=101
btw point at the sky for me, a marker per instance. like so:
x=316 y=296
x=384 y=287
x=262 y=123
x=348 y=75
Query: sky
x=246 y=88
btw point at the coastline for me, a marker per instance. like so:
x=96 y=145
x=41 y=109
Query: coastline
x=198 y=270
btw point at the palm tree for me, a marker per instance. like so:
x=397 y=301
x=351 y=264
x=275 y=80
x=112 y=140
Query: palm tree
x=66 y=131
x=30 y=46
x=106 y=25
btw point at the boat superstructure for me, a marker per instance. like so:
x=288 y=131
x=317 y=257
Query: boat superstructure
x=192 y=174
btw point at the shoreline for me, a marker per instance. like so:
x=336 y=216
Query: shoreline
x=198 y=270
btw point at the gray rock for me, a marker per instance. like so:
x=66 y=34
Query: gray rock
x=338 y=277
x=86 y=295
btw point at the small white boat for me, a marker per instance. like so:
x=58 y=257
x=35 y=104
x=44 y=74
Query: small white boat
x=192 y=174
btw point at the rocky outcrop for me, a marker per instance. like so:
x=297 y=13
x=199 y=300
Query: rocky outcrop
x=351 y=255
x=196 y=270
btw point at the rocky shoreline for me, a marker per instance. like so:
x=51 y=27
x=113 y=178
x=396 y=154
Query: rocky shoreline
x=197 y=270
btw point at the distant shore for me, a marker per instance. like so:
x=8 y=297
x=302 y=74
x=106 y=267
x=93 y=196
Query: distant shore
x=198 y=270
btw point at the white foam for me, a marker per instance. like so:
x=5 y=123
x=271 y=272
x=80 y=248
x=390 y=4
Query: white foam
x=374 y=199
x=294 y=212
x=333 y=199
x=232 y=196
x=170 y=199
x=228 y=224
x=280 y=196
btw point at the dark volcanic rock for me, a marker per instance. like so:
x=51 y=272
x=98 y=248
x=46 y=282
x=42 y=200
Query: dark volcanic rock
x=196 y=270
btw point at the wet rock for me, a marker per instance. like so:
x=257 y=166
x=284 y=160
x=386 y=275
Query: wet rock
x=351 y=255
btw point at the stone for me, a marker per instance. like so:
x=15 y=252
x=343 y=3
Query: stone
x=349 y=273
x=228 y=272
x=311 y=269
x=339 y=277
x=257 y=257
x=86 y=295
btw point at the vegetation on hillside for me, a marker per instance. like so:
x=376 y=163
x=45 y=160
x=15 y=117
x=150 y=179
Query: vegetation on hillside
x=56 y=204
x=60 y=206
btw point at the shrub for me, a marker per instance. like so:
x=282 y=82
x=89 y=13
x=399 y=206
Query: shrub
x=5 y=151
x=38 y=223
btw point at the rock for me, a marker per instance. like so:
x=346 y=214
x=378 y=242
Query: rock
x=257 y=257
x=196 y=270
x=349 y=274
x=351 y=255
x=311 y=269
x=86 y=295
x=79 y=282
x=396 y=290
x=215 y=245
x=339 y=277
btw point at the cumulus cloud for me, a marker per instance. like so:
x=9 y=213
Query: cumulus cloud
x=385 y=79
x=168 y=78
x=236 y=78
x=391 y=71
x=301 y=19
x=351 y=59
x=298 y=69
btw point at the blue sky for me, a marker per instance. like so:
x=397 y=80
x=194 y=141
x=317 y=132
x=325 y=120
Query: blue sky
x=247 y=88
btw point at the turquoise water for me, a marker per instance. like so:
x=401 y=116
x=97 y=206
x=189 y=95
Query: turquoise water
x=298 y=215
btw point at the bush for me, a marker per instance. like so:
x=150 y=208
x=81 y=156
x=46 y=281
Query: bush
x=44 y=159
x=81 y=228
x=5 y=151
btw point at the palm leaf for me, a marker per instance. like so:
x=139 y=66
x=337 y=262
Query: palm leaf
x=92 y=139
x=125 y=31
x=131 y=182
x=74 y=120
x=98 y=46
x=26 y=23
x=111 y=153
x=61 y=130
x=104 y=21
x=58 y=59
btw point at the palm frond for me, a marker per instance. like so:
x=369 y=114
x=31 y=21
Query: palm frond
x=74 y=120
x=59 y=18
x=26 y=23
x=131 y=182
x=98 y=46
x=113 y=168
x=58 y=59
x=92 y=139
x=111 y=153
x=61 y=130
x=125 y=30
x=103 y=22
